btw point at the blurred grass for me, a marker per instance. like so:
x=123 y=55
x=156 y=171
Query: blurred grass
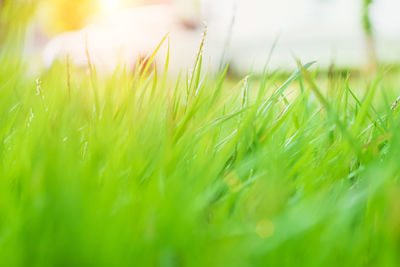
x=145 y=170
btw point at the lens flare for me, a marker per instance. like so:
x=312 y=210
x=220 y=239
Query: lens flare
x=111 y=6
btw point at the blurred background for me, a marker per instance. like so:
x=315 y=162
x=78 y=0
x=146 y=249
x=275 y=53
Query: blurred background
x=247 y=33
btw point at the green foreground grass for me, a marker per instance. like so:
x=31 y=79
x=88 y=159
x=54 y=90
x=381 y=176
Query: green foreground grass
x=145 y=170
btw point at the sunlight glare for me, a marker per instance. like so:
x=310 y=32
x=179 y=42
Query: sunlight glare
x=111 y=6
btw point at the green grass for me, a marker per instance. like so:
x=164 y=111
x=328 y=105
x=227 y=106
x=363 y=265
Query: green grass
x=139 y=169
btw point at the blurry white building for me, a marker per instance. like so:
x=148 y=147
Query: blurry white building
x=322 y=30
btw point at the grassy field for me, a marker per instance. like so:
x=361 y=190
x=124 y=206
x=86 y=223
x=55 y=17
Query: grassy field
x=145 y=170
x=140 y=169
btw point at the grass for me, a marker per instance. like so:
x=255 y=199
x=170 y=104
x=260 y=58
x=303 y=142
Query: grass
x=140 y=169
